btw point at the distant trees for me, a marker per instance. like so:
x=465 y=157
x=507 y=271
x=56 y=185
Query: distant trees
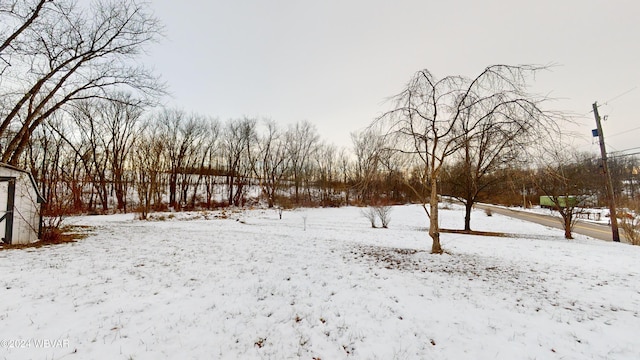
x=122 y=126
x=271 y=162
x=92 y=147
x=148 y=167
x=57 y=169
x=345 y=171
x=302 y=140
x=100 y=155
x=433 y=119
x=239 y=138
x=206 y=161
x=368 y=148
x=181 y=134
x=326 y=166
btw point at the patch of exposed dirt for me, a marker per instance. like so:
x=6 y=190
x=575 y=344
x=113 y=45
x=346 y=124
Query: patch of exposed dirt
x=460 y=265
x=67 y=234
x=474 y=232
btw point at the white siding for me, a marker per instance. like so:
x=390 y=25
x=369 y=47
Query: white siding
x=26 y=211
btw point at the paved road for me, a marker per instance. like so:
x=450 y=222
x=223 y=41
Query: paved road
x=602 y=232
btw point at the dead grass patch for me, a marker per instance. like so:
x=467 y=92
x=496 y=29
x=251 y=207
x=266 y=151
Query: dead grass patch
x=474 y=232
x=64 y=235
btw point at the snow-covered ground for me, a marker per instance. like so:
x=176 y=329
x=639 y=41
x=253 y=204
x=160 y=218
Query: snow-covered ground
x=251 y=286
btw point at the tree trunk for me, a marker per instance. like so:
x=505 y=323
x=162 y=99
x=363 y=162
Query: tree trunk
x=567 y=226
x=434 y=228
x=468 y=205
x=120 y=190
x=230 y=183
x=173 y=188
x=296 y=184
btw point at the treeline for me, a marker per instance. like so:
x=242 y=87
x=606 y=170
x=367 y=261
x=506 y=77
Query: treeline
x=576 y=174
x=107 y=156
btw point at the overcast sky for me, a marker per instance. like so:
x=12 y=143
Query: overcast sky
x=334 y=63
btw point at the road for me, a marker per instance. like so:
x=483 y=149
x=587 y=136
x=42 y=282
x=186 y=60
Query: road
x=602 y=232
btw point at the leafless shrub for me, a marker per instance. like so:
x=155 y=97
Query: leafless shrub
x=51 y=230
x=384 y=214
x=53 y=214
x=631 y=227
x=370 y=214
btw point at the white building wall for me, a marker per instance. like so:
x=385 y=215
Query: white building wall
x=26 y=212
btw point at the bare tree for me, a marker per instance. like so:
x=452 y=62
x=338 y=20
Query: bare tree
x=301 y=139
x=497 y=137
x=433 y=117
x=384 y=214
x=196 y=130
x=67 y=53
x=180 y=133
x=370 y=214
x=53 y=165
x=565 y=181
x=483 y=156
x=239 y=134
x=379 y=211
x=206 y=156
x=273 y=162
x=368 y=147
x=345 y=167
x=106 y=130
x=92 y=148
x=17 y=15
x=148 y=157
x=121 y=122
x=326 y=166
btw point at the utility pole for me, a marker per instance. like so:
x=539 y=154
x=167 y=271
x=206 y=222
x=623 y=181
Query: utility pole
x=610 y=195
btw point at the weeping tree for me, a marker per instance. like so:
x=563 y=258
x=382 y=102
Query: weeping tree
x=433 y=120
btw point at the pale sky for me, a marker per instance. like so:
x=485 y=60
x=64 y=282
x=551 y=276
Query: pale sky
x=334 y=63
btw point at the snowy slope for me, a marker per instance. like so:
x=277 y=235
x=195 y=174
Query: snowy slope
x=198 y=286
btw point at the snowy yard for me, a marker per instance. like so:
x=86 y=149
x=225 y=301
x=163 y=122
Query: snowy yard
x=205 y=287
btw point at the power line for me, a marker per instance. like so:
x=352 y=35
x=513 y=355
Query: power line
x=619 y=96
x=615 y=98
x=623 y=155
x=624 y=132
x=619 y=151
